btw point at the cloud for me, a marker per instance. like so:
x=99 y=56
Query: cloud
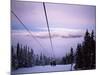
x=55 y=32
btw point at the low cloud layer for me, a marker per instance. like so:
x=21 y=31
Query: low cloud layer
x=62 y=33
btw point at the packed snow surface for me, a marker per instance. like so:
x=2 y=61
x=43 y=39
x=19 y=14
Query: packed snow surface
x=47 y=68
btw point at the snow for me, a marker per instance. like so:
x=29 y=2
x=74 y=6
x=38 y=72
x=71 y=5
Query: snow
x=48 y=68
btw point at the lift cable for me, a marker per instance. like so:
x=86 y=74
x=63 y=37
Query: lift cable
x=48 y=28
x=28 y=30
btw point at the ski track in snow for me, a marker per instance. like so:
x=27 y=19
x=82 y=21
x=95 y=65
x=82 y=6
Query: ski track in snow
x=38 y=69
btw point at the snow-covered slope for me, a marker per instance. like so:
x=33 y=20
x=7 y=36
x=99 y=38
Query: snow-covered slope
x=48 y=68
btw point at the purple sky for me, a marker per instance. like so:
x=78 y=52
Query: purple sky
x=59 y=15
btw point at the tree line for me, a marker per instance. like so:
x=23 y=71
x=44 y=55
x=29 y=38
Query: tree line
x=86 y=53
x=23 y=56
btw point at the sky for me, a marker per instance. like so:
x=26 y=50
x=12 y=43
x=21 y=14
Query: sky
x=65 y=21
x=59 y=15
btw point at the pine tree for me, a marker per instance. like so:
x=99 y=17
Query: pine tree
x=87 y=51
x=72 y=57
x=93 y=51
x=18 y=54
x=79 y=57
x=14 y=61
x=32 y=57
x=85 y=55
x=12 y=58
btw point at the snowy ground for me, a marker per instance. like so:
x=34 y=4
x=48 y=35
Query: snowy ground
x=48 y=68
